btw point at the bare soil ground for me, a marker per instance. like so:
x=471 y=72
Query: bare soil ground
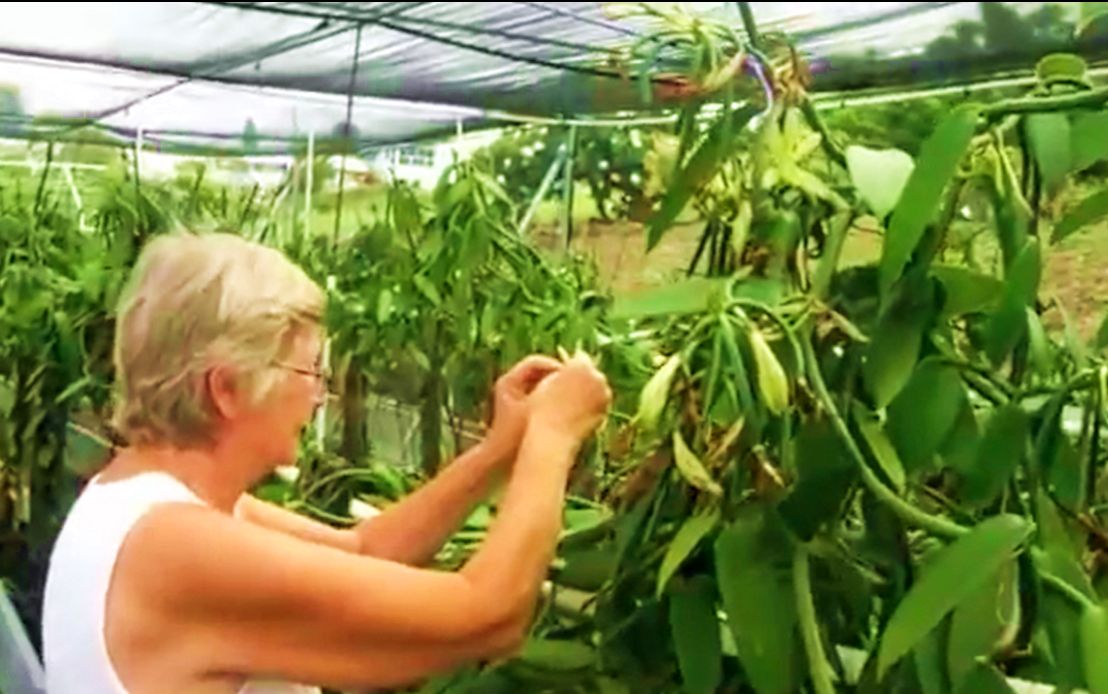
x=1076 y=275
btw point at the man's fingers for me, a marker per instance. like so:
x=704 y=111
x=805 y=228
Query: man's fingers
x=538 y=364
x=530 y=371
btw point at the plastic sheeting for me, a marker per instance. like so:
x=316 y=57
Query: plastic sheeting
x=261 y=75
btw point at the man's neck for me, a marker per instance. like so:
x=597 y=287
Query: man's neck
x=214 y=474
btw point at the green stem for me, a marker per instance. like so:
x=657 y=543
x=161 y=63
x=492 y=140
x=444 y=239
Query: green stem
x=790 y=334
x=748 y=24
x=337 y=475
x=1010 y=173
x=570 y=602
x=1082 y=381
x=1065 y=590
x=947 y=505
x=321 y=514
x=821 y=284
x=826 y=141
x=984 y=385
x=1093 y=454
x=39 y=194
x=582 y=501
x=91 y=435
x=907 y=512
x=947 y=218
x=818 y=668
x=1090 y=431
x=1094 y=97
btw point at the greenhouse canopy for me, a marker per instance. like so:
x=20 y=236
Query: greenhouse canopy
x=263 y=75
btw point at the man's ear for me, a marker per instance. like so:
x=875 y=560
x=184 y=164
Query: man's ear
x=223 y=392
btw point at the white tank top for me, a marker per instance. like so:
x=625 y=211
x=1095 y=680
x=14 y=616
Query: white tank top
x=81 y=564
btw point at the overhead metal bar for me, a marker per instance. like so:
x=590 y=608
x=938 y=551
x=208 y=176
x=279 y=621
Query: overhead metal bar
x=584 y=19
x=431 y=36
x=278 y=47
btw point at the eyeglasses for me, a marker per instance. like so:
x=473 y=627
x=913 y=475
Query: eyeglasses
x=322 y=377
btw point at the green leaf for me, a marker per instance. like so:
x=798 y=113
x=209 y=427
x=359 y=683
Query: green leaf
x=1089 y=132
x=692 y=469
x=73 y=389
x=85 y=452
x=1013 y=218
x=758 y=598
x=556 y=655
x=1002 y=449
x=1100 y=342
x=1061 y=67
x=967 y=291
x=924 y=413
x=70 y=353
x=420 y=358
x=980 y=621
x=1007 y=325
x=825 y=473
x=929 y=661
x=693 y=530
x=1089 y=210
x=1091 y=12
x=405 y=210
x=1038 y=344
x=717 y=146
x=489 y=184
x=384 y=306
x=587 y=568
x=276 y=490
x=895 y=345
x=1076 y=346
x=1048 y=135
x=954 y=575
x=880 y=446
x=605 y=685
x=960 y=450
x=427 y=289
x=692 y=617
x=1064 y=474
x=1061 y=547
x=653 y=397
x=1094 y=644
x=1022 y=281
x=1062 y=621
x=984 y=679
x=576 y=520
x=938 y=161
x=693 y=295
x=7 y=398
x=879 y=175
x=764 y=290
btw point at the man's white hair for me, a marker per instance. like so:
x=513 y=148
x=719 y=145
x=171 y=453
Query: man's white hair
x=195 y=301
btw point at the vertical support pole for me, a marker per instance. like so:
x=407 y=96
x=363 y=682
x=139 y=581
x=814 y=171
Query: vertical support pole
x=294 y=205
x=325 y=364
x=67 y=168
x=571 y=155
x=138 y=156
x=348 y=134
x=457 y=153
x=748 y=23
x=308 y=183
x=544 y=188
